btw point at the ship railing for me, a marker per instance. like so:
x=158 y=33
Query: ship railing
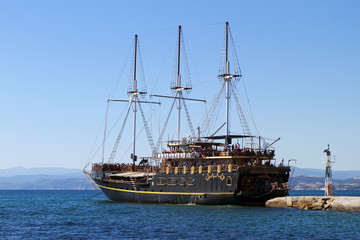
x=199 y=169
x=136 y=181
x=211 y=153
x=174 y=155
x=116 y=167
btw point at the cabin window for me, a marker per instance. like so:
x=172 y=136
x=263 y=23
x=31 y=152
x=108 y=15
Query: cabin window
x=160 y=181
x=98 y=175
x=190 y=181
x=228 y=181
x=182 y=181
x=93 y=174
x=171 y=181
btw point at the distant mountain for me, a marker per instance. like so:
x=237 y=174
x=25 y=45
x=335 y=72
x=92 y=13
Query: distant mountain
x=35 y=171
x=314 y=179
x=337 y=174
x=317 y=183
x=44 y=182
x=20 y=178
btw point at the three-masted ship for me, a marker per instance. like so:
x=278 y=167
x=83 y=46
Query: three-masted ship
x=206 y=169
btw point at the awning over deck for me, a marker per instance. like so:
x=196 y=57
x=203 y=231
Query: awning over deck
x=132 y=174
x=229 y=136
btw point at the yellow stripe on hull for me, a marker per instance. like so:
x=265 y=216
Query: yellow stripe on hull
x=165 y=193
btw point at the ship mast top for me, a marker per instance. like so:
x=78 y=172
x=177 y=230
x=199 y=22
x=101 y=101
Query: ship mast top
x=133 y=99
x=227 y=77
x=178 y=88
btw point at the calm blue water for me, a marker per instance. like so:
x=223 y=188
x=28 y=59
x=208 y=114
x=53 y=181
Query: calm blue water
x=80 y=215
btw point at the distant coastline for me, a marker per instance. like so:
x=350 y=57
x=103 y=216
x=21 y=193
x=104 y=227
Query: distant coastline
x=20 y=178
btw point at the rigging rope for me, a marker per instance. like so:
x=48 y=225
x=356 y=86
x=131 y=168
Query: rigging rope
x=164 y=127
x=210 y=117
x=205 y=127
x=121 y=73
x=116 y=145
x=112 y=128
x=203 y=25
x=156 y=31
x=243 y=121
x=128 y=149
x=198 y=83
x=186 y=65
x=93 y=146
x=93 y=184
x=139 y=71
x=189 y=119
x=250 y=114
x=142 y=73
x=234 y=58
x=148 y=133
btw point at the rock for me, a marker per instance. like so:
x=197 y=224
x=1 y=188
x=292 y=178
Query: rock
x=316 y=203
x=346 y=204
x=280 y=202
x=304 y=202
x=289 y=202
x=326 y=206
x=316 y=206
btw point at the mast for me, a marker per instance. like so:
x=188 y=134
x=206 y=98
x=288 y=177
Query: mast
x=135 y=103
x=227 y=79
x=178 y=87
x=134 y=96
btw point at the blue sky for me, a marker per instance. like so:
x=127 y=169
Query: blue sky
x=60 y=60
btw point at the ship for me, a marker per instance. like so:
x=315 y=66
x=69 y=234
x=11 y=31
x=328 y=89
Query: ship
x=207 y=168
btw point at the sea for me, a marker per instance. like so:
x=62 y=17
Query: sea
x=29 y=214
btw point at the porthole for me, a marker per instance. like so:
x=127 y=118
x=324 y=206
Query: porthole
x=228 y=181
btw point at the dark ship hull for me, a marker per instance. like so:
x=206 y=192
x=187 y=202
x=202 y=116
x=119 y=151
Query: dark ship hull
x=246 y=186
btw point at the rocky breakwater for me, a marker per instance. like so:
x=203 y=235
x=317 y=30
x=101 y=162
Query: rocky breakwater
x=316 y=203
